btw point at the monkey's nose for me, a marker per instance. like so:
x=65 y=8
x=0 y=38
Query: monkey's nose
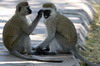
x=45 y=16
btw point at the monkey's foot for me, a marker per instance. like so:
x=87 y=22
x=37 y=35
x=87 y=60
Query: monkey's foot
x=44 y=53
x=68 y=53
x=48 y=53
x=34 y=52
x=39 y=51
x=46 y=49
x=31 y=53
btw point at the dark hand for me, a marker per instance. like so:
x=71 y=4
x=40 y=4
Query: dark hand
x=40 y=13
x=39 y=50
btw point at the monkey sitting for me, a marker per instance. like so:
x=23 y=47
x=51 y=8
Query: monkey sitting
x=17 y=30
x=16 y=33
x=62 y=35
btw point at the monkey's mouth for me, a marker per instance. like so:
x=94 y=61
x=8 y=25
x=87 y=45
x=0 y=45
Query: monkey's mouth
x=46 y=16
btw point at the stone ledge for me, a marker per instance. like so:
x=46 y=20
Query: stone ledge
x=9 y=60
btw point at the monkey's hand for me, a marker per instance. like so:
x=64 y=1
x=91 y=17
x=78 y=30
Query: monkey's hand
x=40 y=13
x=40 y=51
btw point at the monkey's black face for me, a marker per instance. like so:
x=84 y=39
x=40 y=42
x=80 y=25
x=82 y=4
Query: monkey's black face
x=46 y=13
x=29 y=10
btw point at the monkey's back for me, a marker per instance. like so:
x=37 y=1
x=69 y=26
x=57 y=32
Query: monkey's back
x=10 y=32
x=66 y=28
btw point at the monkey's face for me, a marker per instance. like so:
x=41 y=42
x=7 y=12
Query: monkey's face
x=49 y=12
x=25 y=10
x=29 y=11
x=46 y=13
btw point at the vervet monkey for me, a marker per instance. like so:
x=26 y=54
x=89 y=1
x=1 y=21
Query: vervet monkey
x=62 y=35
x=17 y=30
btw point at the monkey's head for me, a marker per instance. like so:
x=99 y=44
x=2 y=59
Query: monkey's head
x=49 y=9
x=23 y=8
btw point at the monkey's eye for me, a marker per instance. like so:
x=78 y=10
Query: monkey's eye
x=47 y=11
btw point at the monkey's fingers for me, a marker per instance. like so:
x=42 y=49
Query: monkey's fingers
x=40 y=13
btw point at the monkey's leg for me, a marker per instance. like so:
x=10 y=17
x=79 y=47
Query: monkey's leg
x=19 y=44
x=62 y=41
x=44 y=52
x=55 y=47
x=28 y=46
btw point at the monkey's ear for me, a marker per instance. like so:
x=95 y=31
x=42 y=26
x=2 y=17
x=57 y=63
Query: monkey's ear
x=19 y=9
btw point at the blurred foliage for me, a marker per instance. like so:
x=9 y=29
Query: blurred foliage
x=93 y=42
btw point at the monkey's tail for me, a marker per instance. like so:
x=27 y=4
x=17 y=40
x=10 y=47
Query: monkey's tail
x=17 y=54
x=34 y=58
x=79 y=56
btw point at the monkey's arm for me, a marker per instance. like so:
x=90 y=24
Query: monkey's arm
x=34 y=23
x=28 y=29
x=51 y=29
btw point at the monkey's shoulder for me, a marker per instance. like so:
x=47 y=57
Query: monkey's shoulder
x=61 y=17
